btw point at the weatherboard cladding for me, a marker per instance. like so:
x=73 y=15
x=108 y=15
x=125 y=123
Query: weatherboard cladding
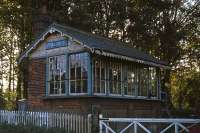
x=107 y=45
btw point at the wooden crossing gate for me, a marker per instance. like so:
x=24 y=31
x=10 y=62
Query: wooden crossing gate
x=145 y=125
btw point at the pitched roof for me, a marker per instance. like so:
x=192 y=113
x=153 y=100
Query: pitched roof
x=104 y=44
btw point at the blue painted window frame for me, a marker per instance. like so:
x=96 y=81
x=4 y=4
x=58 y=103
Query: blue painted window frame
x=90 y=79
x=47 y=76
x=89 y=74
x=138 y=68
x=57 y=44
x=67 y=81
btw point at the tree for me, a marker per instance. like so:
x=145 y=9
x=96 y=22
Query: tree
x=169 y=30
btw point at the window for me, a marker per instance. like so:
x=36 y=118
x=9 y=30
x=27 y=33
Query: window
x=130 y=80
x=144 y=81
x=78 y=64
x=115 y=78
x=56 y=75
x=153 y=81
x=99 y=81
x=56 y=44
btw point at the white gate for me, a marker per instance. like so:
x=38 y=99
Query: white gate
x=179 y=125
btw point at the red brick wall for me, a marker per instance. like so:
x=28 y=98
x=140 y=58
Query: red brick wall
x=195 y=129
x=107 y=106
x=36 y=83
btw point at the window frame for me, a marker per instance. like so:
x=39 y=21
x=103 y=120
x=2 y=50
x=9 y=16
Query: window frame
x=48 y=72
x=89 y=62
x=141 y=71
x=63 y=42
x=157 y=78
x=94 y=76
x=69 y=75
x=109 y=80
x=134 y=69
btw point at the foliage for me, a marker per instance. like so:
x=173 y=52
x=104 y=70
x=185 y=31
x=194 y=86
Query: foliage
x=186 y=90
x=10 y=98
x=168 y=29
x=5 y=128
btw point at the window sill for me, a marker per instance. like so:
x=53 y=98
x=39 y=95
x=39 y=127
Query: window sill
x=99 y=97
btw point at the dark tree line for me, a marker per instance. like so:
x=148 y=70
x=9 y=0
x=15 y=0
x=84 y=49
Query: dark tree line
x=167 y=29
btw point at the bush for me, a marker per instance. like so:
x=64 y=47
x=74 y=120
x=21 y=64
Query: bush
x=5 y=128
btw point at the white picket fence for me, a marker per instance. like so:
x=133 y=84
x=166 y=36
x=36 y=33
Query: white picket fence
x=76 y=123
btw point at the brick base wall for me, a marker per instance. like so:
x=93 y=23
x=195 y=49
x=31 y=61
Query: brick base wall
x=107 y=106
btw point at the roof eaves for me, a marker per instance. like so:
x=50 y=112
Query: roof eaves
x=111 y=54
x=52 y=28
x=33 y=45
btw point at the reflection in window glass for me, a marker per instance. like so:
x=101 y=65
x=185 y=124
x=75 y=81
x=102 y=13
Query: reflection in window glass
x=153 y=81
x=78 y=72
x=99 y=77
x=115 y=79
x=144 y=81
x=130 y=80
x=56 y=74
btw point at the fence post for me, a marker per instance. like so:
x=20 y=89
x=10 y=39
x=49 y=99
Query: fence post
x=7 y=117
x=100 y=123
x=89 y=123
x=135 y=127
x=176 y=127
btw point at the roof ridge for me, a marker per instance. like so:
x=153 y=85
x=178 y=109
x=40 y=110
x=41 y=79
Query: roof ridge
x=95 y=35
x=128 y=45
x=97 y=41
x=99 y=36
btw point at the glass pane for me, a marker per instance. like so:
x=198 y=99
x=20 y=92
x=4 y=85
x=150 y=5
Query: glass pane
x=103 y=74
x=144 y=82
x=130 y=85
x=114 y=89
x=125 y=86
x=153 y=81
x=111 y=87
x=57 y=66
x=119 y=88
x=57 y=86
x=72 y=73
x=115 y=77
x=51 y=76
x=62 y=87
x=98 y=85
x=72 y=86
x=125 y=78
x=79 y=71
x=103 y=87
x=51 y=87
x=84 y=73
x=78 y=86
x=84 y=67
x=84 y=86
x=56 y=75
x=62 y=75
x=97 y=73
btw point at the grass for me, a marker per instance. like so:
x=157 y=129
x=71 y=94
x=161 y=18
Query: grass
x=5 y=128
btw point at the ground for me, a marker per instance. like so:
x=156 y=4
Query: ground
x=4 y=128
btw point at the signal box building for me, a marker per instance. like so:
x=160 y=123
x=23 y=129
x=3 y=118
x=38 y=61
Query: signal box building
x=73 y=71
